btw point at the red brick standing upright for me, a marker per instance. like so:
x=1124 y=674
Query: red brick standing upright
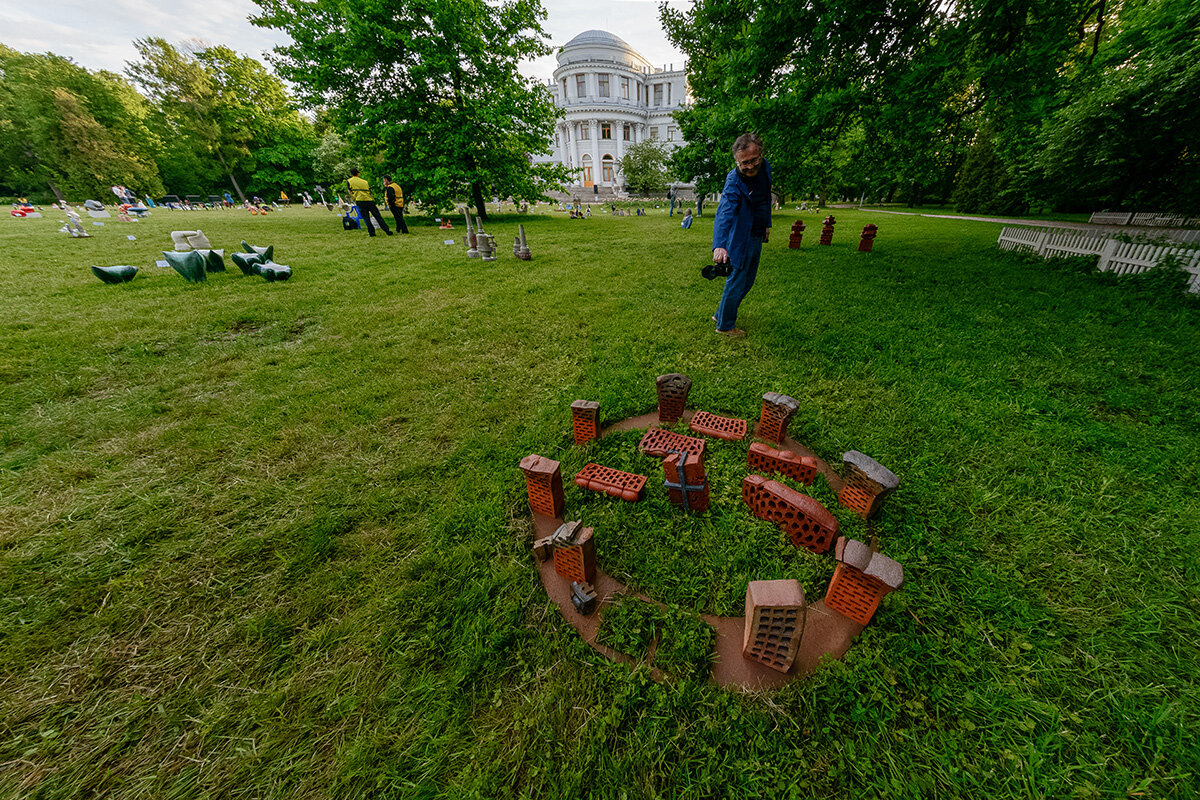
x=585 y=420
x=797 y=235
x=827 y=231
x=807 y=523
x=775 y=615
x=802 y=469
x=861 y=580
x=868 y=484
x=689 y=491
x=777 y=412
x=543 y=479
x=868 y=238
x=673 y=391
x=575 y=553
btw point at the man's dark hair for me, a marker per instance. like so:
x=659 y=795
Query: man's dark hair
x=354 y=170
x=744 y=141
x=387 y=178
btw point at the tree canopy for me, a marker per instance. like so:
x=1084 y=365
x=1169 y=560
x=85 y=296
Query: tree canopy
x=427 y=90
x=644 y=167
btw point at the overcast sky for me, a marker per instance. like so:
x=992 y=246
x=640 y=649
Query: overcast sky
x=98 y=34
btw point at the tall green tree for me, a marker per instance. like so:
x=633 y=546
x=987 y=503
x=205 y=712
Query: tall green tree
x=428 y=89
x=72 y=130
x=644 y=167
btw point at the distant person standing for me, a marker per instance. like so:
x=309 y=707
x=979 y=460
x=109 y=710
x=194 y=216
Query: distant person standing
x=671 y=198
x=741 y=227
x=360 y=192
x=395 y=203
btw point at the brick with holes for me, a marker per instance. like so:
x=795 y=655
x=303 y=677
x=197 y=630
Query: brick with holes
x=585 y=420
x=672 y=391
x=802 y=469
x=658 y=442
x=862 y=578
x=619 y=484
x=727 y=428
x=868 y=484
x=775 y=615
x=575 y=553
x=543 y=479
x=777 y=412
x=806 y=522
x=690 y=494
x=583 y=595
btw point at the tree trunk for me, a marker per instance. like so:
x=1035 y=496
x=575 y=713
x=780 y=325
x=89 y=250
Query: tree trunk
x=480 y=204
x=62 y=200
x=229 y=172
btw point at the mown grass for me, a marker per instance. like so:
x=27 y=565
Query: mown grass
x=270 y=540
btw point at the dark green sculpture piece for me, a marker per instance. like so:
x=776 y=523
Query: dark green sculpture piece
x=190 y=265
x=267 y=252
x=248 y=263
x=274 y=272
x=214 y=260
x=118 y=274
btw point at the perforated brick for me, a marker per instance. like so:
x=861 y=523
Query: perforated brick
x=806 y=522
x=761 y=458
x=623 y=485
x=868 y=484
x=861 y=580
x=543 y=480
x=576 y=561
x=731 y=430
x=777 y=412
x=691 y=494
x=585 y=420
x=775 y=616
x=658 y=442
x=583 y=596
x=673 y=391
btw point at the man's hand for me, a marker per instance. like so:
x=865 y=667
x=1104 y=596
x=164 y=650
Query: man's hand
x=720 y=255
x=766 y=235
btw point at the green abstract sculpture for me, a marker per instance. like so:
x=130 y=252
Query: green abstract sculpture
x=191 y=265
x=118 y=274
x=248 y=263
x=267 y=252
x=274 y=272
x=214 y=260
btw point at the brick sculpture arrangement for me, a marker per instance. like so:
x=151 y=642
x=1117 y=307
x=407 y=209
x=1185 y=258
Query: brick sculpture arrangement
x=585 y=421
x=777 y=412
x=614 y=482
x=806 y=522
x=775 y=615
x=827 y=231
x=868 y=238
x=862 y=578
x=868 y=484
x=776 y=612
x=731 y=430
x=801 y=469
x=543 y=480
x=797 y=235
x=687 y=487
x=672 y=391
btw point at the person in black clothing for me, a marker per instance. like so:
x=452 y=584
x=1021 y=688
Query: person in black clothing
x=395 y=202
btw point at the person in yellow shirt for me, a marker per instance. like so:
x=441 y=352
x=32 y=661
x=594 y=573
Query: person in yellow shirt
x=395 y=203
x=360 y=192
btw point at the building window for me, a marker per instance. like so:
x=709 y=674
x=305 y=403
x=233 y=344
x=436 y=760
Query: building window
x=581 y=86
x=603 y=79
x=624 y=88
x=564 y=94
x=627 y=131
x=556 y=144
x=605 y=130
x=658 y=94
x=653 y=132
x=585 y=130
x=670 y=133
x=606 y=169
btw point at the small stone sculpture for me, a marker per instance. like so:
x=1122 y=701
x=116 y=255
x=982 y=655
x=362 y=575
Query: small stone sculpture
x=583 y=597
x=248 y=263
x=191 y=265
x=522 y=251
x=118 y=274
x=268 y=252
x=274 y=272
x=214 y=260
x=180 y=238
x=472 y=241
x=487 y=246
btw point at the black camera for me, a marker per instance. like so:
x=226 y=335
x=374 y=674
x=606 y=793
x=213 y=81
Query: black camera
x=715 y=270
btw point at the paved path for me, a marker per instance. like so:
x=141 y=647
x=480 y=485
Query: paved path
x=1038 y=223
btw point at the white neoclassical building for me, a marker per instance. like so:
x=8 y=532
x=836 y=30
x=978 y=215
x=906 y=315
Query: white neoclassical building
x=611 y=98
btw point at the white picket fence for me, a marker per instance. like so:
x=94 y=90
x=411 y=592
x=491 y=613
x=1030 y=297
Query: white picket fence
x=1123 y=258
x=1154 y=219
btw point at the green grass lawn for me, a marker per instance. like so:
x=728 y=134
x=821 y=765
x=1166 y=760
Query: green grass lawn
x=271 y=540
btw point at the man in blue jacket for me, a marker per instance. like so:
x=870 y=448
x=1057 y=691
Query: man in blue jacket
x=742 y=225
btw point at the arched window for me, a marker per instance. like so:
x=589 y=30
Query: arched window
x=606 y=169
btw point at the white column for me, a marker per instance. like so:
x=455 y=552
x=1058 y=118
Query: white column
x=596 y=172
x=575 y=139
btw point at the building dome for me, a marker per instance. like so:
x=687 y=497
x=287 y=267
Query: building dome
x=598 y=37
x=596 y=45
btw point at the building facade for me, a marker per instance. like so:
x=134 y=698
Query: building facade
x=611 y=98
